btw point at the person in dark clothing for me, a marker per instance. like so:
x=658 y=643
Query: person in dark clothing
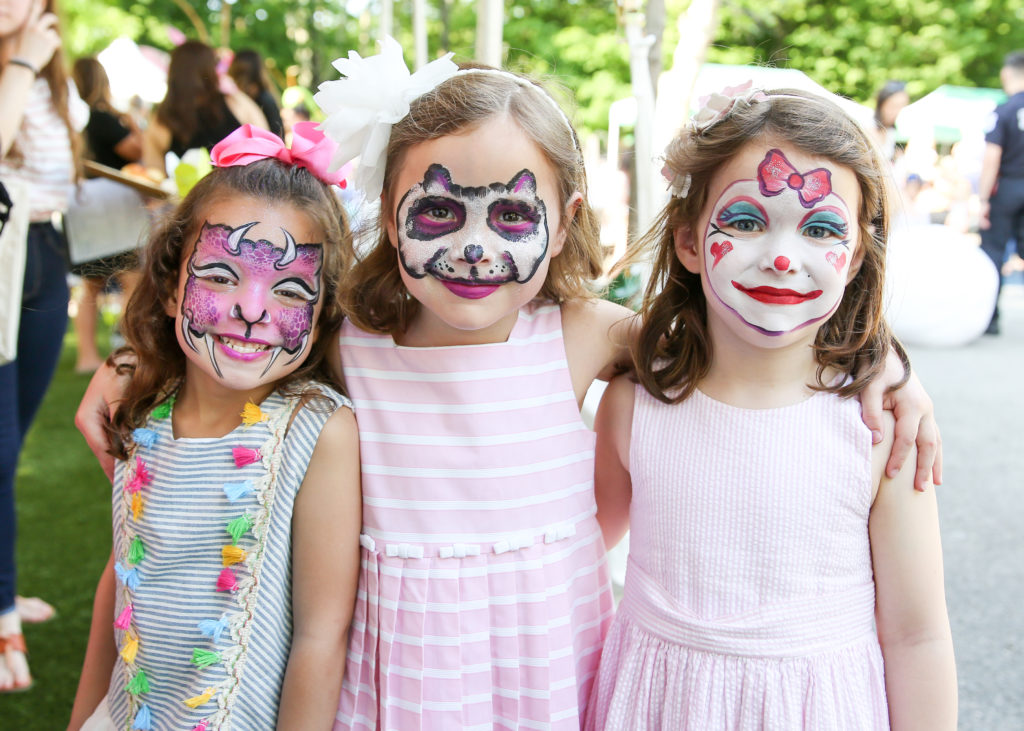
x=112 y=137
x=248 y=72
x=195 y=112
x=1001 y=187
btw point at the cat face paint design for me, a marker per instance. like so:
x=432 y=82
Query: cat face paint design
x=248 y=302
x=472 y=239
x=778 y=246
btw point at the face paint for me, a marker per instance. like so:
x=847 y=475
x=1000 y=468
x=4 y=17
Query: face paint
x=779 y=242
x=248 y=302
x=472 y=239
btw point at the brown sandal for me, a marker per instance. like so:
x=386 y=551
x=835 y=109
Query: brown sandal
x=14 y=643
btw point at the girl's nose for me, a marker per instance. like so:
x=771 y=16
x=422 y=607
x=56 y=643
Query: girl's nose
x=781 y=263
x=473 y=253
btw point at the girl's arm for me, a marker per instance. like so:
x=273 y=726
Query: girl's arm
x=915 y=422
x=325 y=571
x=106 y=388
x=596 y=334
x=910 y=602
x=612 y=486
x=100 y=653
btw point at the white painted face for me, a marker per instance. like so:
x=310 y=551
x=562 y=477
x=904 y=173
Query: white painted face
x=779 y=240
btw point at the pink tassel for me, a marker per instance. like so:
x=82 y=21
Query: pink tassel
x=124 y=619
x=141 y=478
x=201 y=726
x=227 y=581
x=245 y=455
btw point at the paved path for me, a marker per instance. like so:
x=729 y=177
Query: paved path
x=978 y=391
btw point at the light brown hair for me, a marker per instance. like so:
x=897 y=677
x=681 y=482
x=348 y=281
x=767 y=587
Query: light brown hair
x=150 y=332
x=673 y=351
x=374 y=296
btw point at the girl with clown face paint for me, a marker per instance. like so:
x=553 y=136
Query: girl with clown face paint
x=238 y=466
x=777 y=577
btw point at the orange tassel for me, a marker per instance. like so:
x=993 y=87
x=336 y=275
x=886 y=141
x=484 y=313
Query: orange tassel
x=136 y=506
x=130 y=649
x=252 y=414
x=231 y=555
x=200 y=700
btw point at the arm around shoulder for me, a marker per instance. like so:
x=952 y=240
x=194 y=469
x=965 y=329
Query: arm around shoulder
x=613 y=488
x=910 y=601
x=597 y=336
x=325 y=571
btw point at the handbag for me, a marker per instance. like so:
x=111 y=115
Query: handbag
x=104 y=218
x=13 y=237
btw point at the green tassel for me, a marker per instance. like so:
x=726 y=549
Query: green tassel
x=204 y=658
x=238 y=527
x=138 y=684
x=163 y=410
x=136 y=551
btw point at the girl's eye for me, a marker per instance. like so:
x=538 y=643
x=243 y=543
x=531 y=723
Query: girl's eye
x=743 y=216
x=817 y=232
x=511 y=217
x=747 y=225
x=824 y=226
x=218 y=279
x=439 y=214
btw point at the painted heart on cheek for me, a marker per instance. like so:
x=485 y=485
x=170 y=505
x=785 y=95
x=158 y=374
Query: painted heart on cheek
x=837 y=261
x=720 y=249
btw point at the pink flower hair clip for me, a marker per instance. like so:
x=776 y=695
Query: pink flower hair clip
x=716 y=107
x=678 y=185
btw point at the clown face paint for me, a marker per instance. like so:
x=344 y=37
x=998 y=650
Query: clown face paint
x=780 y=239
x=248 y=306
x=472 y=239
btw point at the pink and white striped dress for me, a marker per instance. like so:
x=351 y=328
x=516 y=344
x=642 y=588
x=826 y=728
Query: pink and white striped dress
x=749 y=599
x=484 y=595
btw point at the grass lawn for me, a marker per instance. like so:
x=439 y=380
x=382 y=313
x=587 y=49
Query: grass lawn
x=63 y=502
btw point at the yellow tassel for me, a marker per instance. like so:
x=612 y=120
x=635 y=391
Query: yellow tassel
x=130 y=649
x=136 y=506
x=199 y=700
x=231 y=555
x=252 y=414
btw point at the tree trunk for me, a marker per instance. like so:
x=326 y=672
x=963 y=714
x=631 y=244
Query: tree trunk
x=654 y=27
x=419 y=31
x=490 y=20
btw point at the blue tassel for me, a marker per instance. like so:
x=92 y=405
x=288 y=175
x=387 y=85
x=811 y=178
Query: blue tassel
x=237 y=490
x=144 y=437
x=214 y=628
x=143 y=719
x=128 y=577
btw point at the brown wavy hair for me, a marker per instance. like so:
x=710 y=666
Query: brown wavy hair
x=193 y=91
x=673 y=351
x=374 y=296
x=150 y=332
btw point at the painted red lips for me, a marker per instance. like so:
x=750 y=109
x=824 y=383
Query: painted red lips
x=775 y=296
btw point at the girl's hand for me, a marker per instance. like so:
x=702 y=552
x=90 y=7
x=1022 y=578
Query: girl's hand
x=97 y=406
x=915 y=422
x=38 y=39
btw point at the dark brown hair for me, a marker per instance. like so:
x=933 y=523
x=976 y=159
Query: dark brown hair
x=673 y=351
x=192 y=89
x=374 y=296
x=150 y=332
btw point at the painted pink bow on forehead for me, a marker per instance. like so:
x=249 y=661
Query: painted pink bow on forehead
x=310 y=149
x=775 y=174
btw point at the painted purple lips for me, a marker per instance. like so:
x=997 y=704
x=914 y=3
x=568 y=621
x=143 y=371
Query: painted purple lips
x=469 y=291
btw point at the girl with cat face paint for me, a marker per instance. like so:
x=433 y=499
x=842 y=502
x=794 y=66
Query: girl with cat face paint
x=238 y=460
x=777 y=578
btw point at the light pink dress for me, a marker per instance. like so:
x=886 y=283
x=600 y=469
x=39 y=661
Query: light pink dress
x=749 y=599
x=484 y=594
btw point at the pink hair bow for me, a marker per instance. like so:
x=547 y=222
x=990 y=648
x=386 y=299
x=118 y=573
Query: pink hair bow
x=775 y=174
x=310 y=149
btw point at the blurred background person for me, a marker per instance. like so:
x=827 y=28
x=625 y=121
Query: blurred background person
x=39 y=123
x=249 y=73
x=112 y=139
x=889 y=102
x=194 y=113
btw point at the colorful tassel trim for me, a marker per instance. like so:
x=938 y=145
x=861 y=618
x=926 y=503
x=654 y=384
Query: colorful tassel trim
x=253 y=414
x=124 y=619
x=227 y=581
x=141 y=478
x=144 y=437
x=163 y=410
x=237 y=490
x=204 y=658
x=214 y=627
x=128 y=577
x=136 y=506
x=230 y=555
x=130 y=649
x=200 y=700
x=239 y=527
x=245 y=455
x=136 y=551
x=143 y=719
x=138 y=684
x=201 y=726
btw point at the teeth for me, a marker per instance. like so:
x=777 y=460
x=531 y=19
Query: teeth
x=240 y=346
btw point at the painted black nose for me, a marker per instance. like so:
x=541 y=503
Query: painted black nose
x=473 y=253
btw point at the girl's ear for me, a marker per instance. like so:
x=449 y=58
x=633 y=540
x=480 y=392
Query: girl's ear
x=389 y=220
x=858 y=259
x=572 y=207
x=686 y=248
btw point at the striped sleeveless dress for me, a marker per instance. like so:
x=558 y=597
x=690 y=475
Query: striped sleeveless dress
x=484 y=594
x=749 y=598
x=202 y=551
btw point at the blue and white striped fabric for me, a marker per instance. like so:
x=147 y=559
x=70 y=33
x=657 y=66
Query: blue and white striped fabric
x=182 y=528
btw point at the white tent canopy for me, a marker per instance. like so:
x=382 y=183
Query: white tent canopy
x=133 y=72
